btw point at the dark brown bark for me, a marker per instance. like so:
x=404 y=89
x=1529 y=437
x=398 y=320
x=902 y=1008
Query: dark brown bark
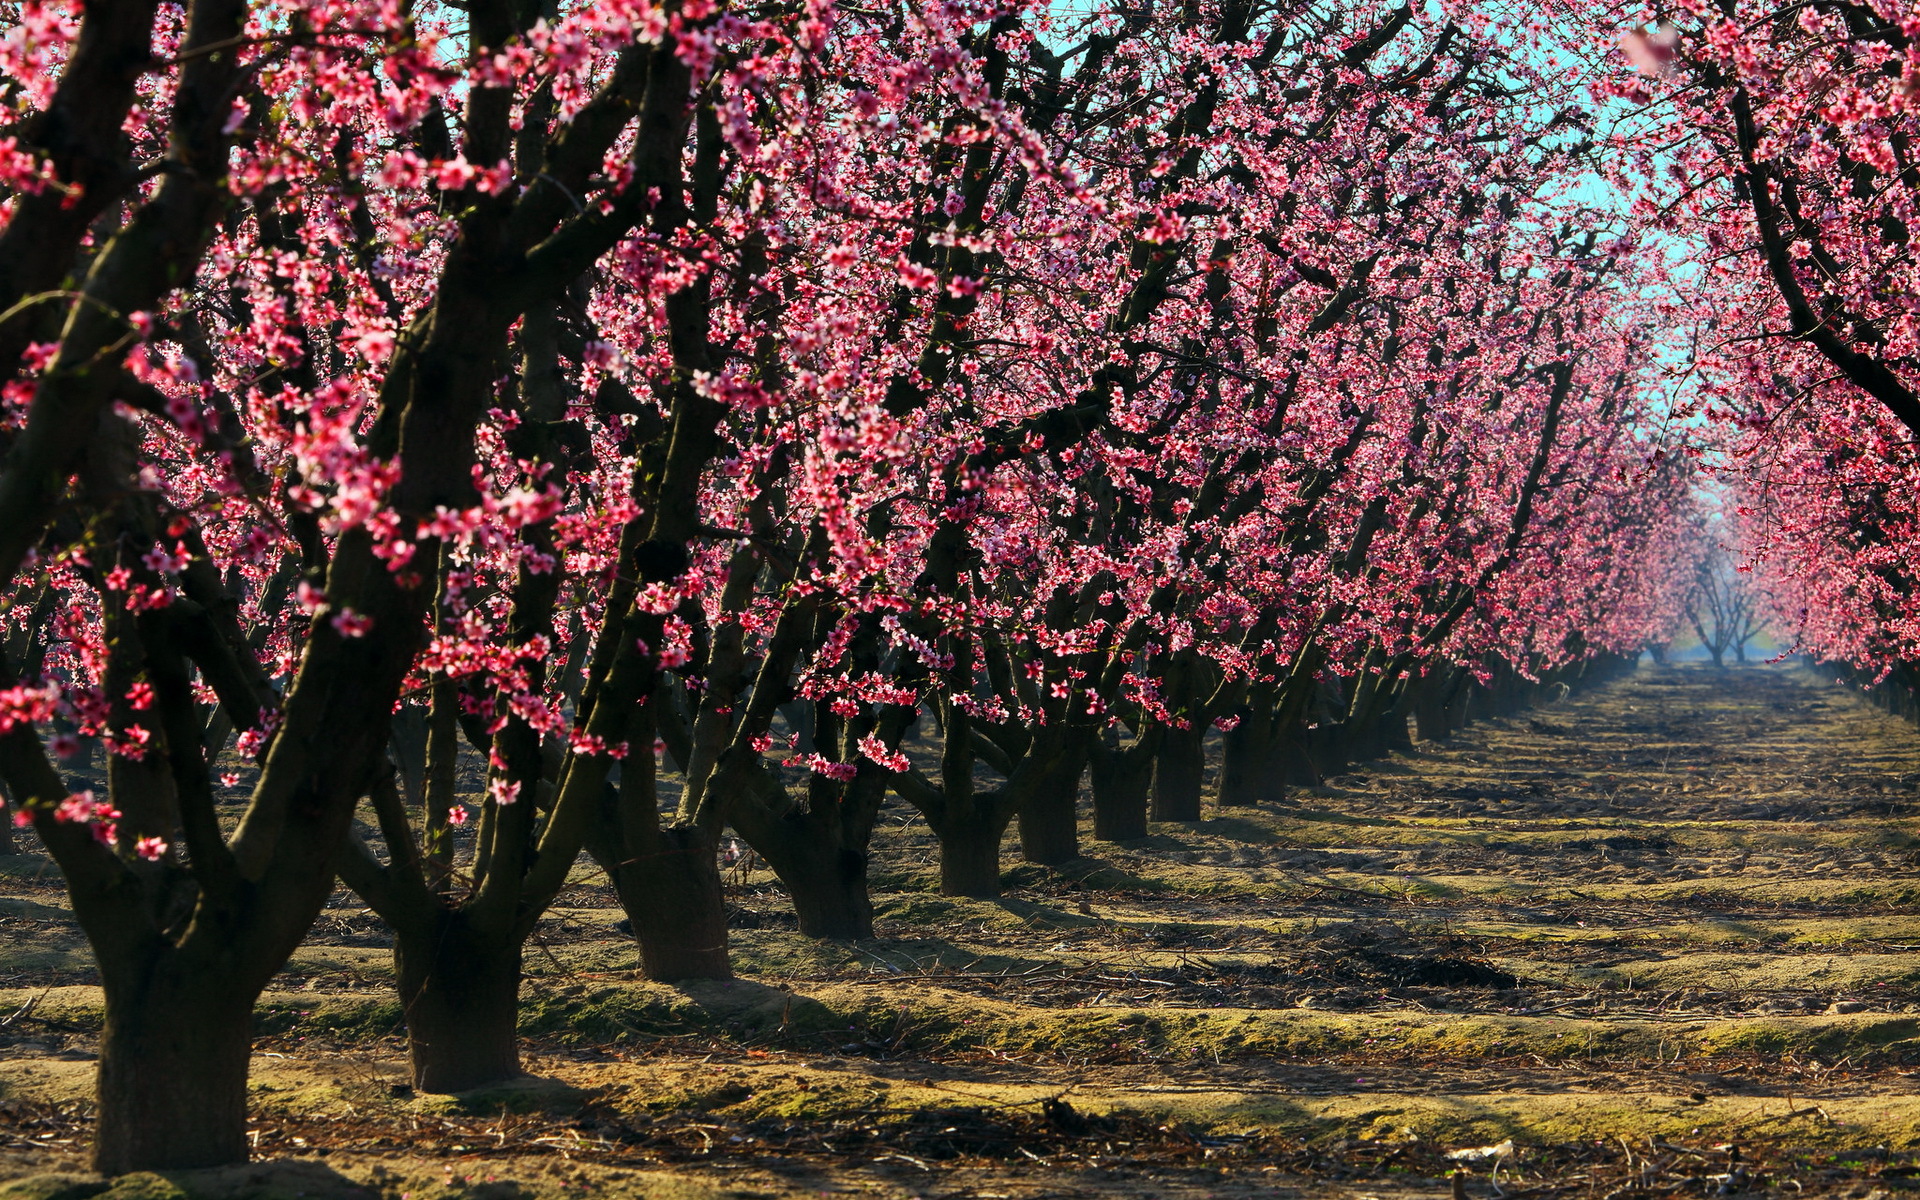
x=1046 y=791
x=671 y=893
x=460 y=989
x=830 y=895
x=173 y=1072
x=817 y=846
x=1178 y=772
x=1120 y=779
x=1431 y=694
x=1252 y=771
x=970 y=853
x=1394 y=733
x=819 y=852
x=80 y=133
x=1459 y=710
x=1050 y=825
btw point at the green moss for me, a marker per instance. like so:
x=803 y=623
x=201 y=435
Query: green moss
x=736 y=1008
x=816 y=1101
x=777 y=953
x=145 y=1185
x=527 y=1094
x=350 y=1017
x=52 y=1187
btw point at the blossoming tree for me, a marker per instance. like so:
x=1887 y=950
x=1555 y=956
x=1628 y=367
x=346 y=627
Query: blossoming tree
x=595 y=393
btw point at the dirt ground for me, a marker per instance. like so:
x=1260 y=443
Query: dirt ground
x=1655 y=940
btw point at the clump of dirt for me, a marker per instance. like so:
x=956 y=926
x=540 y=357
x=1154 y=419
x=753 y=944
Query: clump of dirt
x=1435 y=970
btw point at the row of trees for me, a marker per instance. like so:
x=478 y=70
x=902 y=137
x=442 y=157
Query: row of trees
x=1775 y=151
x=728 y=417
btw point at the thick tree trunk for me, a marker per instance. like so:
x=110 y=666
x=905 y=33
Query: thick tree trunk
x=1120 y=780
x=1327 y=748
x=1346 y=745
x=1494 y=693
x=831 y=899
x=673 y=897
x=970 y=853
x=173 y=1074
x=1459 y=707
x=1430 y=696
x=1394 y=735
x=825 y=877
x=1178 y=772
x=460 y=991
x=818 y=849
x=1250 y=769
x=1050 y=823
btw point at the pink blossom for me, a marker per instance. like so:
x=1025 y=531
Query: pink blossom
x=349 y=623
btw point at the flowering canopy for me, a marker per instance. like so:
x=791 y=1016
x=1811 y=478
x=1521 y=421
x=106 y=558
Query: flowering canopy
x=617 y=387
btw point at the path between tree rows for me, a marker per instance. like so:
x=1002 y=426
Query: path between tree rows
x=1627 y=932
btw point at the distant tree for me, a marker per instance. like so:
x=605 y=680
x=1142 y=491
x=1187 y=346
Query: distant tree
x=1721 y=607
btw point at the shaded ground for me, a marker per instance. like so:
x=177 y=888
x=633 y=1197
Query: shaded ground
x=1660 y=937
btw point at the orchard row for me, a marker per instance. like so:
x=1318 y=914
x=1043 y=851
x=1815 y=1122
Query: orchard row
x=949 y=401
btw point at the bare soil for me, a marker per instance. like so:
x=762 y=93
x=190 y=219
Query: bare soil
x=1658 y=939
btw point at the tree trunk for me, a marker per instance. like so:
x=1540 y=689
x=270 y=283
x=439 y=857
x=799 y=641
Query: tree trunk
x=460 y=990
x=825 y=877
x=833 y=901
x=970 y=852
x=672 y=896
x=1050 y=823
x=1327 y=748
x=1459 y=708
x=818 y=849
x=1178 y=772
x=173 y=1074
x=1250 y=769
x=1120 y=780
x=1394 y=735
x=1430 y=697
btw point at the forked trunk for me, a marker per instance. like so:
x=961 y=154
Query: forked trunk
x=1394 y=734
x=818 y=849
x=460 y=992
x=672 y=894
x=1178 y=771
x=1120 y=781
x=173 y=1074
x=1326 y=748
